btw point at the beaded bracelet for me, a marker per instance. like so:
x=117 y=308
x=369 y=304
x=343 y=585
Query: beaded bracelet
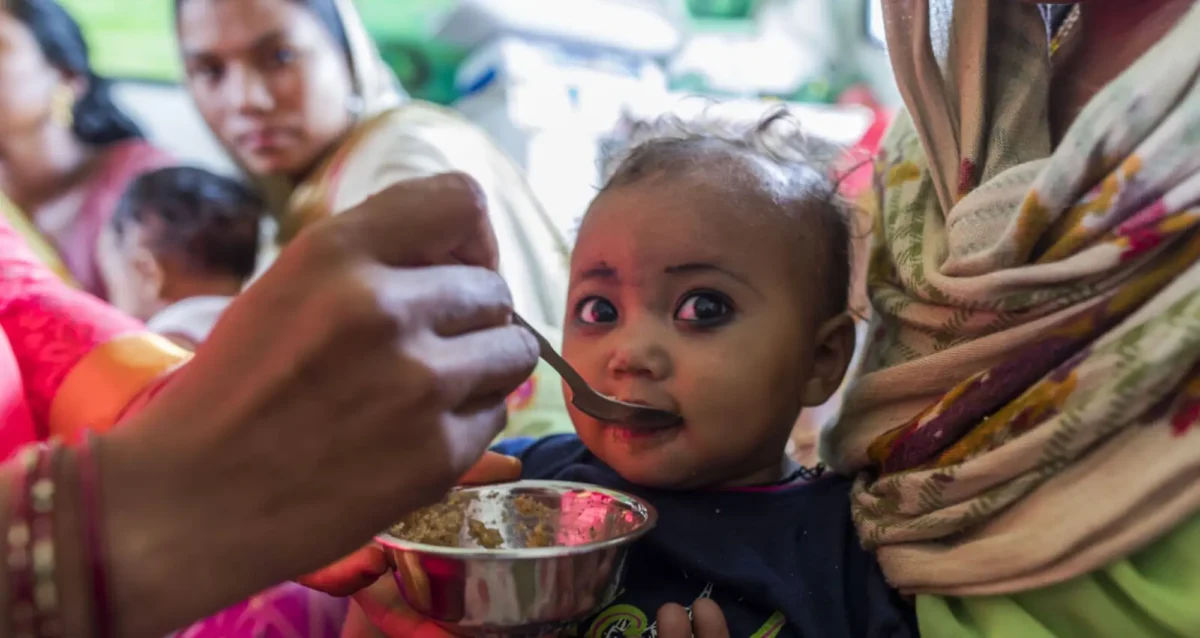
x=44 y=557
x=32 y=561
x=35 y=609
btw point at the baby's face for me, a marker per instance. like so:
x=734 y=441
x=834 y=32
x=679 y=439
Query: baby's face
x=679 y=303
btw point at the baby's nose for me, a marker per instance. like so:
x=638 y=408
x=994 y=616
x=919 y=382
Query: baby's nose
x=640 y=358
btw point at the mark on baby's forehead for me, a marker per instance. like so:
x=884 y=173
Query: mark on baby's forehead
x=601 y=269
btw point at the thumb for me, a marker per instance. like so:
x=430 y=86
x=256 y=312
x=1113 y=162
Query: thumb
x=383 y=605
x=350 y=574
x=492 y=468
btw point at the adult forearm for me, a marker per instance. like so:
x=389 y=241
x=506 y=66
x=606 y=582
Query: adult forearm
x=168 y=563
x=72 y=575
x=177 y=551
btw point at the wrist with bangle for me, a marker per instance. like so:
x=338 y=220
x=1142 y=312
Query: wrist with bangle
x=49 y=474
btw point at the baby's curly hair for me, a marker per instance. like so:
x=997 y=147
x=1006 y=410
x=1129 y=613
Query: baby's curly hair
x=209 y=220
x=778 y=159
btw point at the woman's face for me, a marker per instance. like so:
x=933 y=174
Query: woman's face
x=269 y=80
x=27 y=80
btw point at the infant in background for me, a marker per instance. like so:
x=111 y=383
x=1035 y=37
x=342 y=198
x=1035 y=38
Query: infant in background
x=711 y=278
x=182 y=243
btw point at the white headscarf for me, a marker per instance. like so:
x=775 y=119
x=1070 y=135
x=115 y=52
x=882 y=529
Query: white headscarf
x=373 y=81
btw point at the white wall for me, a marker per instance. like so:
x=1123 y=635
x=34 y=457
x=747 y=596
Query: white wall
x=171 y=121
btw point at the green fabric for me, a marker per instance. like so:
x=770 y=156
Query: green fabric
x=1154 y=593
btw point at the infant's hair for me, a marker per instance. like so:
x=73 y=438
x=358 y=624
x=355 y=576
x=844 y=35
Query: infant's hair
x=208 y=220
x=777 y=159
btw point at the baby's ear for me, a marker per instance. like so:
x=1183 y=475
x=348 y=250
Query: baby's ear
x=152 y=276
x=833 y=349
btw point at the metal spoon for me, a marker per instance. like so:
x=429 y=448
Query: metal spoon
x=593 y=403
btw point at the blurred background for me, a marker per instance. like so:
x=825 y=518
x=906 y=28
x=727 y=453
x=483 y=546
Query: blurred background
x=554 y=80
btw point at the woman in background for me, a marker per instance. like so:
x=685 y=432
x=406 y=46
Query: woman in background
x=67 y=151
x=298 y=94
x=1025 y=424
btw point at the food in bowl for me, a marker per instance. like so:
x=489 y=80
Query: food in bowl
x=442 y=523
x=560 y=559
x=438 y=524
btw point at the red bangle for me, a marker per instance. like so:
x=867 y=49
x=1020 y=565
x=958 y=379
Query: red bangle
x=89 y=491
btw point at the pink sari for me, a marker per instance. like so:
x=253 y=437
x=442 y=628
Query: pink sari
x=69 y=362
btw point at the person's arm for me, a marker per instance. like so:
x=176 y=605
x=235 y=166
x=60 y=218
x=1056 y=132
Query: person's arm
x=83 y=363
x=74 y=594
x=235 y=477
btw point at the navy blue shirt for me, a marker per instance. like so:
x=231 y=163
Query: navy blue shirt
x=780 y=560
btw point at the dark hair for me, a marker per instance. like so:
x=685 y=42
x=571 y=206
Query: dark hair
x=212 y=220
x=791 y=168
x=98 y=119
x=327 y=14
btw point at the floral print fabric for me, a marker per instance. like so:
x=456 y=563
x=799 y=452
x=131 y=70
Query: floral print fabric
x=1026 y=408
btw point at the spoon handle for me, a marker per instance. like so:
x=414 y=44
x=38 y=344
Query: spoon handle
x=552 y=357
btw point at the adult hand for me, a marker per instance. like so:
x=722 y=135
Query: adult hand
x=379 y=611
x=707 y=621
x=343 y=390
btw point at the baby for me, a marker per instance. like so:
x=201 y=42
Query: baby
x=710 y=278
x=181 y=244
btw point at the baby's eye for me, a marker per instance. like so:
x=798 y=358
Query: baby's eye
x=596 y=310
x=704 y=308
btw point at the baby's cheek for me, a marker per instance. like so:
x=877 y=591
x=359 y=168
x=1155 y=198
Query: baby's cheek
x=729 y=393
x=732 y=414
x=588 y=429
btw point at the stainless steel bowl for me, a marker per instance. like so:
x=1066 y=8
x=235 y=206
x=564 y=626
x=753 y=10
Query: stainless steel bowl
x=519 y=591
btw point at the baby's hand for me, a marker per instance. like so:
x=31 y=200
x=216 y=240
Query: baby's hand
x=707 y=621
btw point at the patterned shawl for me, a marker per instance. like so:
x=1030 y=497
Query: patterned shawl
x=1026 y=409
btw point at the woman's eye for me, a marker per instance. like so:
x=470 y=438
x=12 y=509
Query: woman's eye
x=282 y=56
x=596 y=310
x=210 y=73
x=703 y=308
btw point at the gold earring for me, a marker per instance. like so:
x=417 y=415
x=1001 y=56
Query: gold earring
x=62 y=106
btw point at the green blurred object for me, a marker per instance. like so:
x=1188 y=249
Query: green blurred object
x=425 y=68
x=135 y=39
x=131 y=39
x=402 y=20
x=723 y=9
x=826 y=88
